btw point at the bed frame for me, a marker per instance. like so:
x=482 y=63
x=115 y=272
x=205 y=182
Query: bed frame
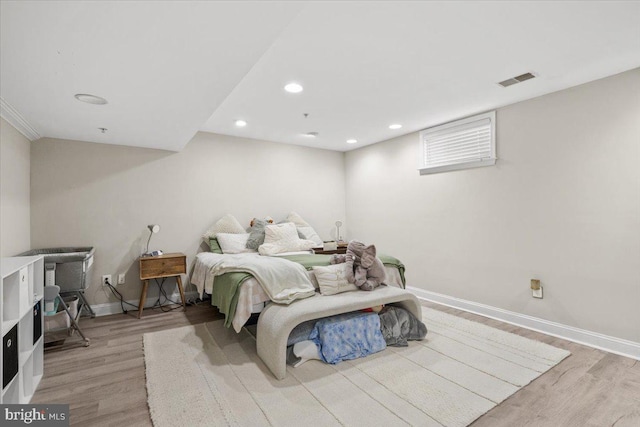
x=277 y=321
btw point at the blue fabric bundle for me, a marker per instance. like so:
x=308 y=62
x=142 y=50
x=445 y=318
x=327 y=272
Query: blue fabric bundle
x=348 y=336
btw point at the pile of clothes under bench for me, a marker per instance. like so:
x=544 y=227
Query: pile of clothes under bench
x=352 y=335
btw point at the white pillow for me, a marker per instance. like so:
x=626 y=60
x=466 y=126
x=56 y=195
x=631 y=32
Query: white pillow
x=297 y=220
x=283 y=237
x=286 y=246
x=305 y=228
x=280 y=232
x=233 y=243
x=226 y=224
x=310 y=234
x=333 y=279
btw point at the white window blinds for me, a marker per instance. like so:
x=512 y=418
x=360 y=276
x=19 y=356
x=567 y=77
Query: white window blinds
x=461 y=144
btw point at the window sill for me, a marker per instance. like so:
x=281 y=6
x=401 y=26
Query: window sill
x=457 y=166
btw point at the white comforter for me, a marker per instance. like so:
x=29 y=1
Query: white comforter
x=283 y=281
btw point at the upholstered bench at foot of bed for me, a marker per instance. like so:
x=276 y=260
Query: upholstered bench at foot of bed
x=277 y=321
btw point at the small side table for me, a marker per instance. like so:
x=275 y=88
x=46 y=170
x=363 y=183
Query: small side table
x=158 y=267
x=339 y=250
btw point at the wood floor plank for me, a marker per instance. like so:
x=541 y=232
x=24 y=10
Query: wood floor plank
x=105 y=382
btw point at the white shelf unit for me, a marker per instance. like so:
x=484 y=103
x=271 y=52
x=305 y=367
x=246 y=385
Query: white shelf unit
x=22 y=291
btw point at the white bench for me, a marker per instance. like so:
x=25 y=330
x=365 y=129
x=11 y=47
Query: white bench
x=277 y=321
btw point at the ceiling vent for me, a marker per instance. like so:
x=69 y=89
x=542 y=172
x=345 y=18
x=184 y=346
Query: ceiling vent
x=517 y=79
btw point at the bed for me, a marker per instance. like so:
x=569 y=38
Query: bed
x=238 y=295
x=271 y=269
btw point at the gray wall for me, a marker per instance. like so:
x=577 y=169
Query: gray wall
x=561 y=205
x=15 y=209
x=105 y=196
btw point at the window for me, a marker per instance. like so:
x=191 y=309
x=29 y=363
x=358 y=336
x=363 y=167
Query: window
x=463 y=144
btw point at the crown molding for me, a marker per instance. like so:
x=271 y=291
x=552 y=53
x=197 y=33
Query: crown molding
x=16 y=120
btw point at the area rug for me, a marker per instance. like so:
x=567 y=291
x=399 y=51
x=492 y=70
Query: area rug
x=207 y=375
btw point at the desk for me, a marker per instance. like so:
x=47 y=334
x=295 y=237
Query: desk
x=158 y=267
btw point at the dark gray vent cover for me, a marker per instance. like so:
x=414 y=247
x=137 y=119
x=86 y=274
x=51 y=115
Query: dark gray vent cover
x=508 y=82
x=523 y=77
x=517 y=79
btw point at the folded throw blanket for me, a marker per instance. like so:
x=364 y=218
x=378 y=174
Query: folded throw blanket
x=283 y=281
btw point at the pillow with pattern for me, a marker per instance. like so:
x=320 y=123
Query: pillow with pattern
x=283 y=238
x=226 y=224
x=297 y=220
x=308 y=233
x=305 y=230
x=333 y=279
x=234 y=243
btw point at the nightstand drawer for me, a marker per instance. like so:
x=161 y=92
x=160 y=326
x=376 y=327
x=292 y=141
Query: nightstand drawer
x=162 y=266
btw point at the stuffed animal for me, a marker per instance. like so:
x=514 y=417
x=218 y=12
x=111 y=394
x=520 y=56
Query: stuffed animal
x=374 y=309
x=268 y=220
x=399 y=325
x=364 y=268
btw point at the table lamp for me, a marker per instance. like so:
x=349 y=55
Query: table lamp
x=153 y=228
x=338 y=225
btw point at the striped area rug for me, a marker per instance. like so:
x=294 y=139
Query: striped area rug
x=207 y=375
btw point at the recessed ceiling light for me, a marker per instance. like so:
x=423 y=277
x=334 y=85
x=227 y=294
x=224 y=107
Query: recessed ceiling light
x=240 y=123
x=395 y=126
x=90 y=99
x=351 y=141
x=293 y=88
x=311 y=134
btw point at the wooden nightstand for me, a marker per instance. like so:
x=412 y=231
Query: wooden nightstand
x=340 y=250
x=157 y=267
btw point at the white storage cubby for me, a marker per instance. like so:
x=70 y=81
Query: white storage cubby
x=25 y=337
x=10 y=298
x=38 y=360
x=22 y=288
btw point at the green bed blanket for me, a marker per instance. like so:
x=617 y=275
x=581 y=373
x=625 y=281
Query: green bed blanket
x=225 y=293
x=226 y=289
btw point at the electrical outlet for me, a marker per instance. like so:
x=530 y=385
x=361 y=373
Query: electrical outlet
x=120 y=279
x=105 y=278
x=536 y=288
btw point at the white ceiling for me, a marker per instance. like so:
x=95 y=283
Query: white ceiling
x=169 y=69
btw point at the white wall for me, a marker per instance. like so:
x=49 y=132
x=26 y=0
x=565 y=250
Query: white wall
x=15 y=211
x=105 y=196
x=562 y=205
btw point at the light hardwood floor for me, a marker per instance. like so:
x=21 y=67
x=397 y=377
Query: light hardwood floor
x=105 y=382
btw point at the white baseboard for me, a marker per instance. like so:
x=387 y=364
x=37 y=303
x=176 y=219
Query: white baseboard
x=592 y=339
x=115 y=307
